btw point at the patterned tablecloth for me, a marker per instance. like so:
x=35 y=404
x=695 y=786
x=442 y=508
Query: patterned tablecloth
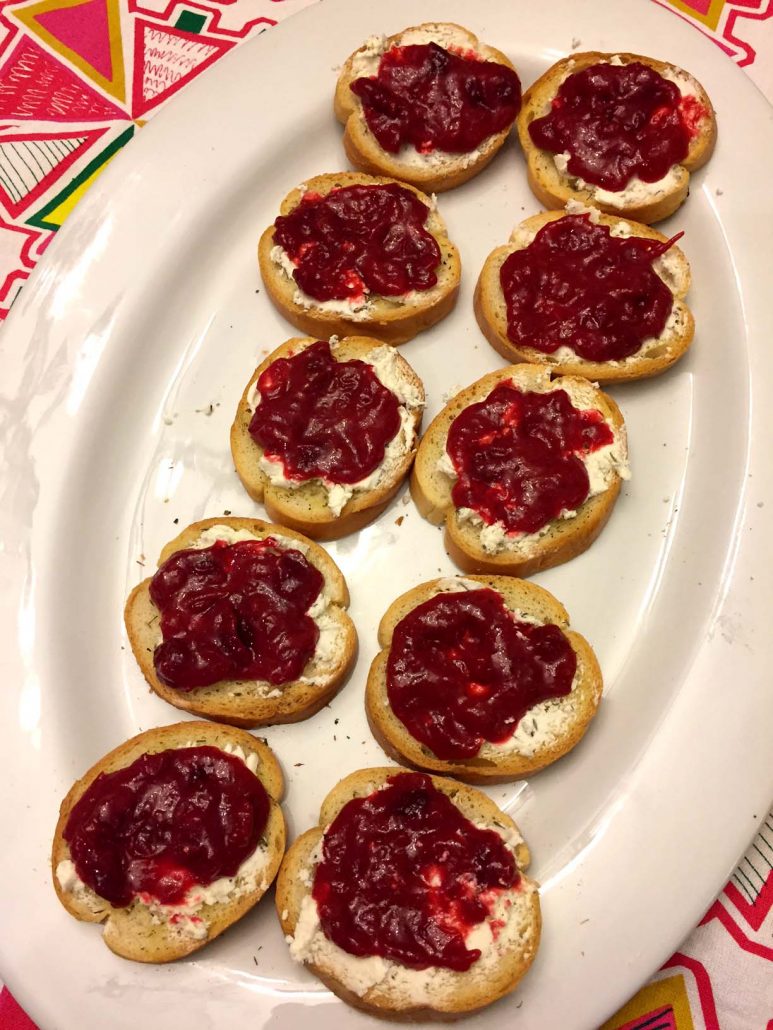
x=77 y=79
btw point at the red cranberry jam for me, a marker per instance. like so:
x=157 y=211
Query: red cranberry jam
x=406 y=876
x=358 y=240
x=436 y=99
x=518 y=456
x=578 y=286
x=167 y=822
x=463 y=670
x=324 y=418
x=617 y=122
x=235 y=612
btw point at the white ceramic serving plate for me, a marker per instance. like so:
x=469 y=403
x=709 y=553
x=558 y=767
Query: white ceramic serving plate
x=148 y=310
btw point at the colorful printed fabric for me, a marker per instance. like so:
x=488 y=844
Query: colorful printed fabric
x=722 y=977
x=77 y=79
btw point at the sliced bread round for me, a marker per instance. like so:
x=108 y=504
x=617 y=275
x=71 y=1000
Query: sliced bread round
x=323 y=510
x=655 y=355
x=433 y=172
x=432 y=480
x=391 y=319
x=250 y=702
x=148 y=932
x=386 y=988
x=546 y=732
x=640 y=201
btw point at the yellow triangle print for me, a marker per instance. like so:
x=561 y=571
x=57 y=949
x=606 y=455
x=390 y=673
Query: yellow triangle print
x=706 y=11
x=86 y=33
x=667 y=999
x=56 y=211
x=57 y=215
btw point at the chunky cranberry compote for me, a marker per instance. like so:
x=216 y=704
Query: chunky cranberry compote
x=324 y=418
x=436 y=99
x=235 y=612
x=617 y=122
x=358 y=240
x=578 y=286
x=406 y=876
x=518 y=456
x=464 y=670
x=167 y=822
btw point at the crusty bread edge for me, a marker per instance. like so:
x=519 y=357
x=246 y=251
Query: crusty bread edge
x=576 y=535
x=364 y=151
x=117 y=922
x=265 y=711
x=553 y=190
x=400 y=745
x=361 y=784
x=364 y=506
x=397 y=325
x=632 y=368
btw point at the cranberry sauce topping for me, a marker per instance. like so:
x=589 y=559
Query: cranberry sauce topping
x=166 y=823
x=322 y=417
x=518 y=456
x=434 y=99
x=406 y=876
x=357 y=240
x=578 y=286
x=235 y=611
x=463 y=670
x=617 y=122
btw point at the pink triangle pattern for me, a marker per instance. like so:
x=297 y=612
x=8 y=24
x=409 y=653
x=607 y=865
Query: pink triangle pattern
x=84 y=30
x=31 y=162
x=20 y=249
x=225 y=21
x=664 y=1018
x=35 y=86
x=166 y=59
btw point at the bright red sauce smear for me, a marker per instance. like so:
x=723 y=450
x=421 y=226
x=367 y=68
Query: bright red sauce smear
x=406 y=876
x=578 y=286
x=235 y=612
x=166 y=823
x=322 y=417
x=463 y=669
x=434 y=99
x=517 y=456
x=617 y=122
x=357 y=240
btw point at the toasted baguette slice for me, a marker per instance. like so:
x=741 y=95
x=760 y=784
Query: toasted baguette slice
x=434 y=172
x=146 y=933
x=250 y=702
x=644 y=202
x=309 y=507
x=656 y=354
x=547 y=731
x=390 y=319
x=563 y=538
x=401 y=993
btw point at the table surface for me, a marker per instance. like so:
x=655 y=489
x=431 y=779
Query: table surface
x=78 y=78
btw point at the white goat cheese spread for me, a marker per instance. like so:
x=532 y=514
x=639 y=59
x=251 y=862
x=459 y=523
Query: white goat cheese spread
x=184 y=919
x=602 y=465
x=358 y=309
x=637 y=192
x=668 y=267
x=386 y=367
x=365 y=63
x=542 y=725
x=331 y=632
x=508 y=927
